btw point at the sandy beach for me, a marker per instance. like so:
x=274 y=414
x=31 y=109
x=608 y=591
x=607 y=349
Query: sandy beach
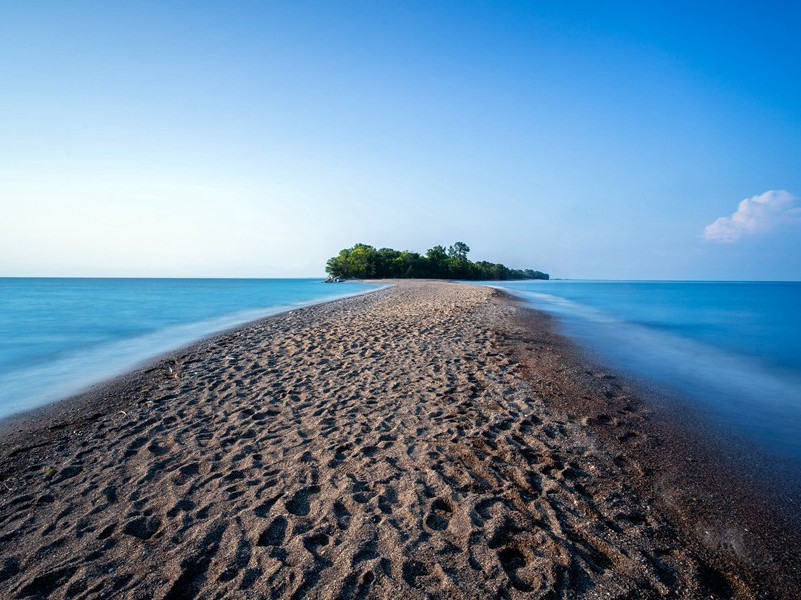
x=428 y=440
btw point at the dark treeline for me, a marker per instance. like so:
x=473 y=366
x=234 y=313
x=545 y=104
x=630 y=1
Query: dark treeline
x=366 y=262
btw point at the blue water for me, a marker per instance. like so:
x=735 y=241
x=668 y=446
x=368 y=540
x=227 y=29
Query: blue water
x=58 y=336
x=729 y=353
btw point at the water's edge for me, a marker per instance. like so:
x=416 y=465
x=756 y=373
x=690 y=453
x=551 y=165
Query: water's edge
x=729 y=514
x=774 y=479
x=167 y=346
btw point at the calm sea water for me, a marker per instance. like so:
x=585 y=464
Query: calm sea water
x=58 y=336
x=730 y=352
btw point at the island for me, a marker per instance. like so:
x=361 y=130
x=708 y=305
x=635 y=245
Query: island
x=363 y=261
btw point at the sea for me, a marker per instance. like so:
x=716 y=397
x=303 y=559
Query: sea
x=725 y=356
x=59 y=336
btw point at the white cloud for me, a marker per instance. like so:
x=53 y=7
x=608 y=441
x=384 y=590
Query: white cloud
x=758 y=214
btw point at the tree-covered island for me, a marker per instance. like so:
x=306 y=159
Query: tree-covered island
x=366 y=262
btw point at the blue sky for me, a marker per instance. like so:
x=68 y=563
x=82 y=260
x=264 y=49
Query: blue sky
x=585 y=139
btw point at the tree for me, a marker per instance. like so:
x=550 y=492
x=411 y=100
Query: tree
x=459 y=250
x=437 y=261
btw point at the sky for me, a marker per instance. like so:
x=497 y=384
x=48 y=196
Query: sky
x=614 y=140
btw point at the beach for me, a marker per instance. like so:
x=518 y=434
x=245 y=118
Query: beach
x=427 y=440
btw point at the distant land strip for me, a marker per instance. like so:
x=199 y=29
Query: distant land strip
x=363 y=261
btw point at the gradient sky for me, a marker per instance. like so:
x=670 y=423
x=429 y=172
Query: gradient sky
x=586 y=139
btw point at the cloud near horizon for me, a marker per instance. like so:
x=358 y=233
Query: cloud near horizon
x=757 y=214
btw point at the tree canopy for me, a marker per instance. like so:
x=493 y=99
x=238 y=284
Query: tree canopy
x=366 y=262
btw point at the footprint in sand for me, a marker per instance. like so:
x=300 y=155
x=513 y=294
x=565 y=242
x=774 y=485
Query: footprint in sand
x=440 y=516
x=342 y=514
x=274 y=534
x=298 y=504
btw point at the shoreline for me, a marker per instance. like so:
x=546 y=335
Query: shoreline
x=520 y=374
x=50 y=408
x=681 y=466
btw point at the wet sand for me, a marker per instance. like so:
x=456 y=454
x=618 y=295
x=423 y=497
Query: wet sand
x=429 y=440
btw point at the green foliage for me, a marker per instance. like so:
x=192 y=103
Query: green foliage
x=365 y=262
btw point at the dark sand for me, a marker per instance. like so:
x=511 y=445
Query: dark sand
x=427 y=440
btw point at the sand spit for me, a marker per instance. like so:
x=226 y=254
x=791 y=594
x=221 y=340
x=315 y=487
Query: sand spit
x=384 y=446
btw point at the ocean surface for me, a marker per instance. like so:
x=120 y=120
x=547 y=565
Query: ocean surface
x=727 y=353
x=59 y=336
